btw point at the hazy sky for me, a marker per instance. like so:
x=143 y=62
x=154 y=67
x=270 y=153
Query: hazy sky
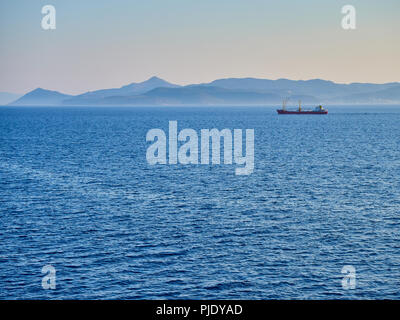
x=102 y=44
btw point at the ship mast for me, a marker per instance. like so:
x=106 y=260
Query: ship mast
x=299 y=105
x=284 y=101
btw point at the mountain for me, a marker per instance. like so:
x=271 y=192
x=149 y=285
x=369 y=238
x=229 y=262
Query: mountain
x=231 y=91
x=93 y=97
x=321 y=89
x=41 y=97
x=7 y=97
x=389 y=95
x=197 y=95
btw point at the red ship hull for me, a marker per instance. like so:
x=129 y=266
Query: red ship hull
x=301 y=112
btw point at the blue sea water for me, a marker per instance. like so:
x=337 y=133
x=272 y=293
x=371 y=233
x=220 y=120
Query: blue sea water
x=76 y=193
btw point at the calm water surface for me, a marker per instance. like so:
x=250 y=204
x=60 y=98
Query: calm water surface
x=76 y=192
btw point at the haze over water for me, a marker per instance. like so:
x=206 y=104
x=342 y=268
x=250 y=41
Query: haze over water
x=76 y=192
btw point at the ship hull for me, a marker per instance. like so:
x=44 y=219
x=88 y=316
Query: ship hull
x=301 y=112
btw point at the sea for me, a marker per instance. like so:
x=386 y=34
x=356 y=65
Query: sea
x=319 y=217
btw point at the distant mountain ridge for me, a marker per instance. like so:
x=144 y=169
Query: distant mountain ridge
x=230 y=91
x=316 y=87
x=41 y=97
x=197 y=95
x=93 y=97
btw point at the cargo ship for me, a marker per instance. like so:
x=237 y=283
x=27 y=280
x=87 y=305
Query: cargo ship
x=317 y=110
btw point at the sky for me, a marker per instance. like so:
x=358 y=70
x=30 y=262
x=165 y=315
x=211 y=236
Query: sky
x=104 y=44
